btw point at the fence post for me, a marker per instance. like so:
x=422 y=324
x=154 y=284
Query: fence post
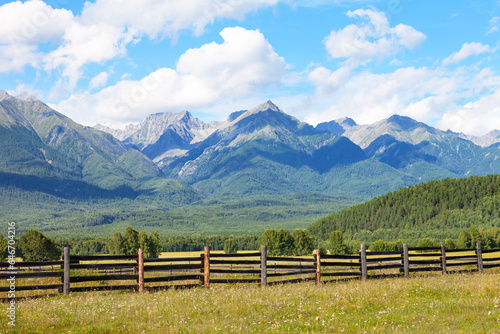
x=318 y=266
x=263 y=266
x=362 y=260
x=206 y=268
x=140 y=264
x=66 y=287
x=406 y=261
x=479 y=254
x=443 y=258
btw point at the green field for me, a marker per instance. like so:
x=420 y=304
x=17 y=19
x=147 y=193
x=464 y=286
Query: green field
x=467 y=303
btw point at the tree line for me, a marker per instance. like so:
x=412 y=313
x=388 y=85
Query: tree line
x=435 y=210
x=489 y=239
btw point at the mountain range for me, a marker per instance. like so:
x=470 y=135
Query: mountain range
x=266 y=151
x=258 y=151
x=174 y=159
x=43 y=150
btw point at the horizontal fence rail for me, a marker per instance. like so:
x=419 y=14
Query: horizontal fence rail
x=78 y=273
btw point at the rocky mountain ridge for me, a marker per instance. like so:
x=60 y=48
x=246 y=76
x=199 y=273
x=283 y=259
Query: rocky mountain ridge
x=258 y=151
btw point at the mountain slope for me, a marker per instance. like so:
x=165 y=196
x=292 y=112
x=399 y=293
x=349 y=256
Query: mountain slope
x=438 y=209
x=402 y=143
x=36 y=140
x=164 y=136
x=264 y=150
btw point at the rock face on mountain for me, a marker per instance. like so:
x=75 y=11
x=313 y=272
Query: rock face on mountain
x=164 y=137
x=489 y=139
x=337 y=127
x=264 y=150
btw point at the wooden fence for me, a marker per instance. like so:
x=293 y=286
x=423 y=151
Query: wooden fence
x=133 y=272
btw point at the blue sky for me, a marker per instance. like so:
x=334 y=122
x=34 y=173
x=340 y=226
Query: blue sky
x=116 y=61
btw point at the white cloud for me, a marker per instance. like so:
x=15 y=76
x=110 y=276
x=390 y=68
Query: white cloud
x=476 y=118
x=99 y=80
x=14 y=57
x=420 y=93
x=102 y=31
x=373 y=38
x=467 y=50
x=85 y=44
x=167 y=18
x=241 y=67
x=326 y=81
x=494 y=25
x=24 y=26
x=32 y=22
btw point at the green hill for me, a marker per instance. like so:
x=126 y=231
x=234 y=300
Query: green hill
x=435 y=209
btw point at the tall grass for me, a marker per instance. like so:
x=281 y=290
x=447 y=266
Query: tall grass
x=467 y=303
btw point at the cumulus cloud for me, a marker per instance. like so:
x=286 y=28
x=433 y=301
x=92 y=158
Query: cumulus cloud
x=102 y=31
x=242 y=66
x=372 y=38
x=32 y=22
x=437 y=95
x=13 y=58
x=476 y=118
x=467 y=50
x=25 y=26
x=421 y=93
x=83 y=45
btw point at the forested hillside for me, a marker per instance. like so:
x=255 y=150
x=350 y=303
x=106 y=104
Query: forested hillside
x=435 y=209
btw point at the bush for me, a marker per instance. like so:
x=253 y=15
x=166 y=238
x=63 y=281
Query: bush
x=428 y=242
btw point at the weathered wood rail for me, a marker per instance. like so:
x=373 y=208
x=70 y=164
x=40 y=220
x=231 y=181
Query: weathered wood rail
x=77 y=273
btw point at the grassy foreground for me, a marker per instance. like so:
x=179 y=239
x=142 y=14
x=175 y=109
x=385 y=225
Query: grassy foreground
x=456 y=303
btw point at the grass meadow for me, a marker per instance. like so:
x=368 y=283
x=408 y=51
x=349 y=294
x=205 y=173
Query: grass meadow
x=459 y=303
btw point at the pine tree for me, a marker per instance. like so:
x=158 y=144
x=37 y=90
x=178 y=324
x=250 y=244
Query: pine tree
x=303 y=242
x=131 y=241
x=337 y=246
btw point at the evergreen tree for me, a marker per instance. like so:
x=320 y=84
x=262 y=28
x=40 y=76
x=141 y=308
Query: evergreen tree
x=377 y=246
x=144 y=243
x=449 y=244
x=464 y=240
x=34 y=246
x=116 y=245
x=337 y=246
x=278 y=242
x=286 y=243
x=474 y=235
x=428 y=242
x=270 y=239
x=155 y=245
x=131 y=241
x=303 y=242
